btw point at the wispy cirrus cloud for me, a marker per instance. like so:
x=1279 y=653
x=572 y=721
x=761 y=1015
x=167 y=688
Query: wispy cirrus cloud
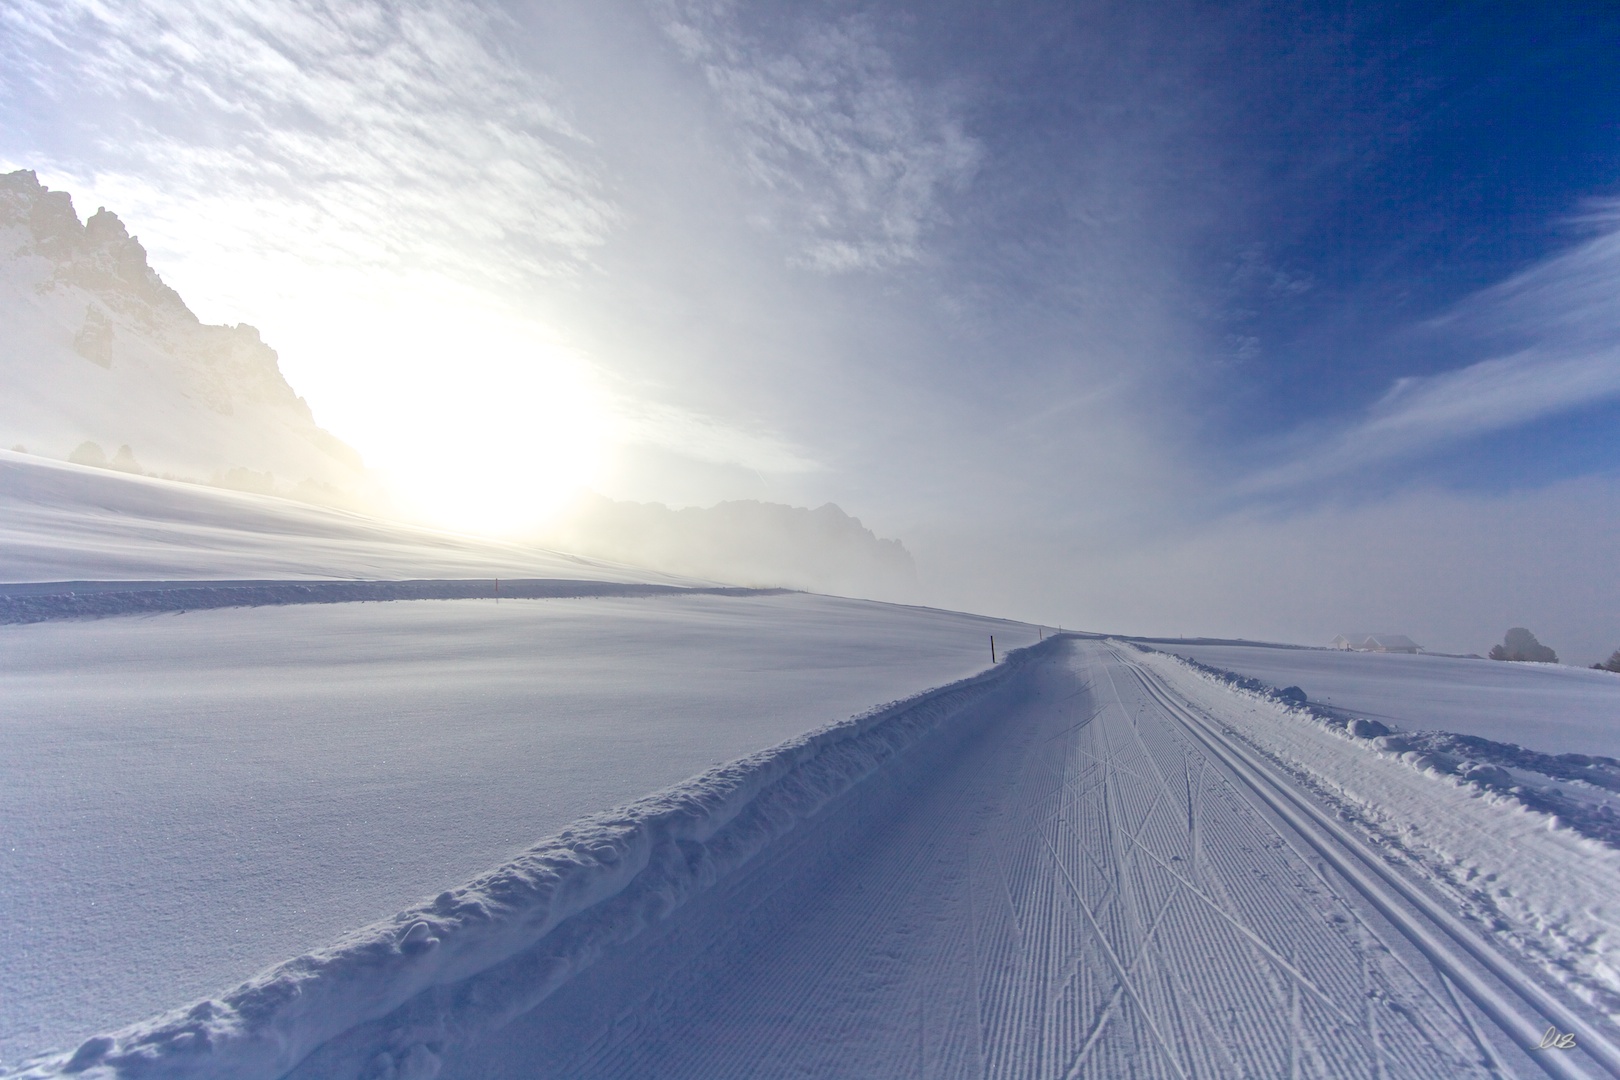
x=647 y=422
x=1425 y=413
x=1491 y=395
x=1570 y=297
x=855 y=157
x=1562 y=313
x=364 y=134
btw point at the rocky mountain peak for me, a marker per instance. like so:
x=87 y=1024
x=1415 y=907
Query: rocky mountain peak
x=103 y=229
x=96 y=350
x=99 y=254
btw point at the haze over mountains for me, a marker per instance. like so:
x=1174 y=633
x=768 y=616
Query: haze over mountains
x=746 y=542
x=103 y=364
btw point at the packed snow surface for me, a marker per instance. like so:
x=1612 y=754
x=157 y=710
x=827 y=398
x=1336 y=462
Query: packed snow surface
x=1543 y=891
x=188 y=798
x=1064 y=865
x=1068 y=865
x=62 y=522
x=1544 y=707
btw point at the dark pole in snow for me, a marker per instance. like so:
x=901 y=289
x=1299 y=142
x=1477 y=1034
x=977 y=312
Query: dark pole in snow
x=992 y=648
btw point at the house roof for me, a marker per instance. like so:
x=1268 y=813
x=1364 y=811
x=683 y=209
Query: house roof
x=1377 y=641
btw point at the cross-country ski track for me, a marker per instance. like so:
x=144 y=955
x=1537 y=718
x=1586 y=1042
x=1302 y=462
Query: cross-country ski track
x=1077 y=876
x=1083 y=877
x=1067 y=871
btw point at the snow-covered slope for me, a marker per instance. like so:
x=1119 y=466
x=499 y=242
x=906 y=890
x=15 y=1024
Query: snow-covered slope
x=95 y=349
x=186 y=799
x=64 y=522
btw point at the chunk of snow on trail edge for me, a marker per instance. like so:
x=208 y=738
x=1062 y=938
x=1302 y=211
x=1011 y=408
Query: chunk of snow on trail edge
x=479 y=955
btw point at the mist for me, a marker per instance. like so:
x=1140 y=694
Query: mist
x=1451 y=570
x=1228 y=321
x=743 y=542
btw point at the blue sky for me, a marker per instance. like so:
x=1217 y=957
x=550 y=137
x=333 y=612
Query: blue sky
x=1152 y=317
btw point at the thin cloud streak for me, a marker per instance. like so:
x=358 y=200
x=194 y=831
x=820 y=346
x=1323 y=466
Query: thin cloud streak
x=1419 y=414
x=1487 y=396
x=1563 y=307
x=1571 y=294
x=854 y=156
x=647 y=423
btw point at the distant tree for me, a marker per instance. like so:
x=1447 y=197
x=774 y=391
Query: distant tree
x=124 y=460
x=1520 y=644
x=89 y=453
x=1611 y=664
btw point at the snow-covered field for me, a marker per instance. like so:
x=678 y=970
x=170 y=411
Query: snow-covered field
x=190 y=798
x=631 y=836
x=1074 y=864
x=1545 y=707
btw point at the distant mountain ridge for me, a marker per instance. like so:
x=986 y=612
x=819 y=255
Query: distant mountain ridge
x=745 y=542
x=104 y=364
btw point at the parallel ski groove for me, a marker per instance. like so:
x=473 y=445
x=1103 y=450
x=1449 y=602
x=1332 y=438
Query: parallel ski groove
x=1437 y=934
x=1072 y=885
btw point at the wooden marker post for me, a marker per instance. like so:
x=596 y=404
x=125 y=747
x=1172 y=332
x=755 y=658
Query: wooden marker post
x=992 y=648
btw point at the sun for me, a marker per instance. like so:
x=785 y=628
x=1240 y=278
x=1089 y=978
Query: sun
x=474 y=418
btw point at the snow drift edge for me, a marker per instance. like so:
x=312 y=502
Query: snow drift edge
x=381 y=998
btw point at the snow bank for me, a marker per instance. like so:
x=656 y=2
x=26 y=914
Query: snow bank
x=1544 y=890
x=43 y=602
x=1581 y=790
x=478 y=955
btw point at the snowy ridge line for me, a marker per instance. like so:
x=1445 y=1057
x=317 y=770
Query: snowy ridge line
x=1521 y=1011
x=387 y=997
x=34 y=602
x=1473 y=760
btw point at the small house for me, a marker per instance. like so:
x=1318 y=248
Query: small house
x=1384 y=643
x=1390 y=643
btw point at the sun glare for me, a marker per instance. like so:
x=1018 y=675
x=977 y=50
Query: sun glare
x=478 y=422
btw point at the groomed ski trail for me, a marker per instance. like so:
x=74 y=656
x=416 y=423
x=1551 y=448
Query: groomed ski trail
x=1072 y=879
